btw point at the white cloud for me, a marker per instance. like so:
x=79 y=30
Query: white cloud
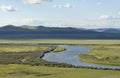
x=7 y=8
x=36 y=1
x=63 y=23
x=105 y=17
x=67 y=5
x=23 y=21
x=108 y=17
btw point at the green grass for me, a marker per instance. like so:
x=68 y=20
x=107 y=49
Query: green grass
x=62 y=41
x=20 y=48
x=27 y=48
x=27 y=54
x=59 y=49
x=102 y=55
x=26 y=71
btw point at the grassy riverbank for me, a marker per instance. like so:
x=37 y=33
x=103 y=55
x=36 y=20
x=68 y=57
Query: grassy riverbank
x=102 y=55
x=27 y=48
x=27 y=54
x=59 y=49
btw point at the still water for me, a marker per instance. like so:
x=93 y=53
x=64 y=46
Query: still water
x=70 y=56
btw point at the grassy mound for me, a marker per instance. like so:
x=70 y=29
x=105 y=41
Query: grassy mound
x=59 y=49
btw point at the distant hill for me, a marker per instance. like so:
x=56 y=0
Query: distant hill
x=108 y=30
x=42 y=32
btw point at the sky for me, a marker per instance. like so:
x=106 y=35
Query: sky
x=61 y=13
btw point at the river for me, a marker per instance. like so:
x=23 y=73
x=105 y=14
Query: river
x=70 y=56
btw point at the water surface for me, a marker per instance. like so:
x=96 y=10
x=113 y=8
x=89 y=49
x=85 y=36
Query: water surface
x=70 y=56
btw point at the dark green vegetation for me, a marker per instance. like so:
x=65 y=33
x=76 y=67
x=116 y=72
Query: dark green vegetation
x=103 y=55
x=41 y=32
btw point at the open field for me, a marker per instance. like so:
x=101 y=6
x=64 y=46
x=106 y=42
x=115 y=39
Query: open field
x=26 y=54
x=15 y=54
x=102 y=55
x=61 y=41
x=26 y=71
x=41 y=71
x=21 y=48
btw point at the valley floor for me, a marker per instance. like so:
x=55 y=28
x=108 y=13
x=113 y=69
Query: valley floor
x=29 y=71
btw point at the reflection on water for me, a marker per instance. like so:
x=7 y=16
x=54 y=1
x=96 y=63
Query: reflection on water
x=70 y=56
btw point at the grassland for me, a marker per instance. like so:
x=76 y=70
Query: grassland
x=26 y=71
x=23 y=54
x=41 y=71
x=21 y=48
x=102 y=55
x=28 y=48
x=62 y=41
x=27 y=54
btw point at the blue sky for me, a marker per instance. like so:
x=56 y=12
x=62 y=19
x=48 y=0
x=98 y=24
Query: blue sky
x=61 y=13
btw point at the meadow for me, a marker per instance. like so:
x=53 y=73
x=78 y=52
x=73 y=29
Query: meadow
x=61 y=41
x=102 y=55
x=27 y=71
x=48 y=70
x=26 y=54
x=28 y=48
x=21 y=48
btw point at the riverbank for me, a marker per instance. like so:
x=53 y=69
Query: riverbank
x=70 y=56
x=26 y=54
x=109 y=55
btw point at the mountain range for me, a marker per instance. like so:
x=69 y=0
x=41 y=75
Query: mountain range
x=42 y=32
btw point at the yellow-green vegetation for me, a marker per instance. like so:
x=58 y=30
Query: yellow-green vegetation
x=59 y=49
x=21 y=48
x=62 y=41
x=103 y=55
x=23 y=54
x=27 y=71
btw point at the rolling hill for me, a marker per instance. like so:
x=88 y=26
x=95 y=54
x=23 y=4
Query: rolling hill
x=42 y=32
